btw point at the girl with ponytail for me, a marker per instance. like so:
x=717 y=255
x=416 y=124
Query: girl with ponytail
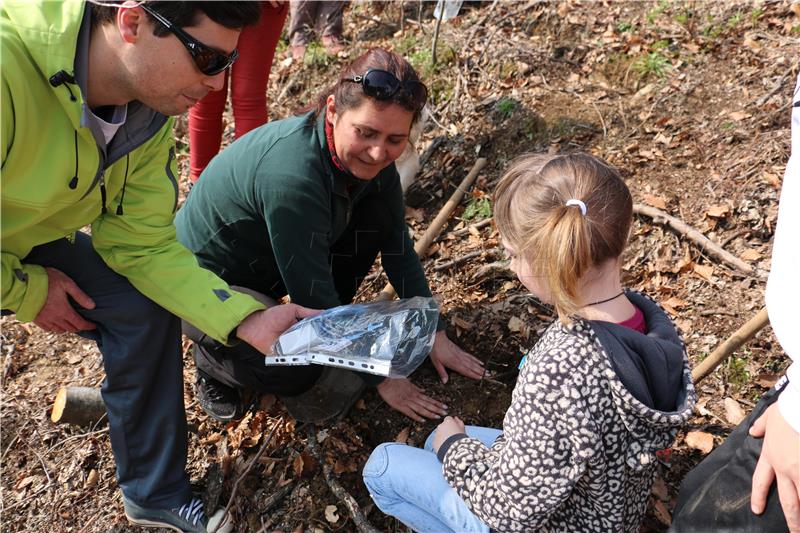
x=605 y=387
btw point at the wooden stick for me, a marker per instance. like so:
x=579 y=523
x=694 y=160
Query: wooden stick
x=459 y=260
x=478 y=225
x=435 y=227
x=695 y=236
x=82 y=406
x=733 y=343
x=345 y=497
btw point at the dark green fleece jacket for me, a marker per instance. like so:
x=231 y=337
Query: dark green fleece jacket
x=267 y=209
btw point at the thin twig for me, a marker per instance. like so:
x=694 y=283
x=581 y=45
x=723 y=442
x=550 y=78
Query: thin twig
x=436 y=37
x=253 y=461
x=713 y=249
x=463 y=231
x=74 y=437
x=458 y=260
x=345 y=497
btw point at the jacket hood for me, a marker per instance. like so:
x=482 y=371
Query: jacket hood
x=50 y=35
x=649 y=375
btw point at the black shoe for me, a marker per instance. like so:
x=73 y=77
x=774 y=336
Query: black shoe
x=189 y=518
x=220 y=401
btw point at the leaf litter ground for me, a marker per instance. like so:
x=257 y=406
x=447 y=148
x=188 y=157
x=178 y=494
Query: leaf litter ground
x=688 y=99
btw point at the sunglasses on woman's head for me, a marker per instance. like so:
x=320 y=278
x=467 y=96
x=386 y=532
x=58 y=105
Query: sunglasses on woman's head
x=208 y=60
x=383 y=85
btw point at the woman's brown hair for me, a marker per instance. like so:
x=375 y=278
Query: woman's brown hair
x=349 y=95
x=559 y=242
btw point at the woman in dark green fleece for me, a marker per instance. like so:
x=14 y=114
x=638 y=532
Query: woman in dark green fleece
x=303 y=206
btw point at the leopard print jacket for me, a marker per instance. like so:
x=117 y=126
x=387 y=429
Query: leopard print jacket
x=577 y=453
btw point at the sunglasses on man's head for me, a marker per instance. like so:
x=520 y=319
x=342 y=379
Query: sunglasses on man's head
x=208 y=60
x=383 y=85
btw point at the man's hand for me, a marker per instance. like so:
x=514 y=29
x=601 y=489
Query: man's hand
x=452 y=425
x=57 y=314
x=445 y=354
x=262 y=328
x=404 y=396
x=780 y=459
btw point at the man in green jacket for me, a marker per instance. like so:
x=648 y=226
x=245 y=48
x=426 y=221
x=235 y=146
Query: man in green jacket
x=86 y=91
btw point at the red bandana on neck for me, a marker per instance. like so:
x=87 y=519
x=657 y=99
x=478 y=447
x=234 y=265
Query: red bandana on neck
x=332 y=147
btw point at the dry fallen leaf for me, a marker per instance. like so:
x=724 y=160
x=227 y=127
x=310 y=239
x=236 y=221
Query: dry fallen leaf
x=718 y=211
x=655 y=201
x=733 y=411
x=751 y=254
x=767 y=380
x=739 y=115
x=515 y=324
x=331 y=514
x=700 y=440
x=402 y=437
x=704 y=271
x=91 y=479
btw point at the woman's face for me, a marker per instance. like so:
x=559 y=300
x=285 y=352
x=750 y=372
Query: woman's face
x=369 y=138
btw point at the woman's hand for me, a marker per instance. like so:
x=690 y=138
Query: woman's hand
x=452 y=425
x=445 y=354
x=404 y=396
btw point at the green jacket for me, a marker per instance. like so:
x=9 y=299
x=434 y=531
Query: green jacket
x=267 y=209
x=54 y=172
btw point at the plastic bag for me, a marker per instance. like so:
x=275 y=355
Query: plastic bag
x=385 y=338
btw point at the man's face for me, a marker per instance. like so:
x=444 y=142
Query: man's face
x=162 y=72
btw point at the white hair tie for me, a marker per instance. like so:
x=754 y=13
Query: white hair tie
x=579 y=203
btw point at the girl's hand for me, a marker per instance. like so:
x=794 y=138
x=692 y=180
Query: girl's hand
x=445 y=354
x=451 y=425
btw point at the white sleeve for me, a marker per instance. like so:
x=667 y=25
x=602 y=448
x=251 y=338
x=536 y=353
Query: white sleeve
x=783 y=286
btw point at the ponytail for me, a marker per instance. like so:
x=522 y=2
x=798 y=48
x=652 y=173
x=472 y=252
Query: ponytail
x=539 y=210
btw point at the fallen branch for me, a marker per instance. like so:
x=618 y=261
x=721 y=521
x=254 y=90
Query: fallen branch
x=253 y=461
x=345 y=497
x=478 y=225
x=82 y=406
x=733 y=343
x=435 y=227
x=708 y=246
x=458 y=260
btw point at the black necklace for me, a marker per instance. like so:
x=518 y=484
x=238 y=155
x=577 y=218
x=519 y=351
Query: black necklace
x=606 y=300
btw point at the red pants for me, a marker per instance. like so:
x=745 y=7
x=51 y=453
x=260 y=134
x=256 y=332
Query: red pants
x=248 y=80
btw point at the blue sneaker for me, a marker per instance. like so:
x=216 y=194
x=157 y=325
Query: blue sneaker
x=189 y=518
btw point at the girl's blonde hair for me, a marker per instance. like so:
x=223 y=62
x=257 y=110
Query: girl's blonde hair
x=560 y=243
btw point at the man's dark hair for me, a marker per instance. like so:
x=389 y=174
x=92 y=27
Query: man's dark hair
x=232 y=15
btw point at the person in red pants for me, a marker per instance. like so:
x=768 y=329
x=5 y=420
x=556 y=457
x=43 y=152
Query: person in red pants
x=248 y=81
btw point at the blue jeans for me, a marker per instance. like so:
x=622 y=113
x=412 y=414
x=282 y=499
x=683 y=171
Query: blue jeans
x=407 y=483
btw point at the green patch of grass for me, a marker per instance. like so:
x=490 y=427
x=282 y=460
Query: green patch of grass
x=316 y=56
x=755 y=14
x=728 y=125
x=441 y=89
x=659 y=45
x=624 y=26
x=656 y=11
x=653 y=63
x=735 y=20
x=506 y=107
x=406 y=44
x=736 y=370
x=478 y=208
